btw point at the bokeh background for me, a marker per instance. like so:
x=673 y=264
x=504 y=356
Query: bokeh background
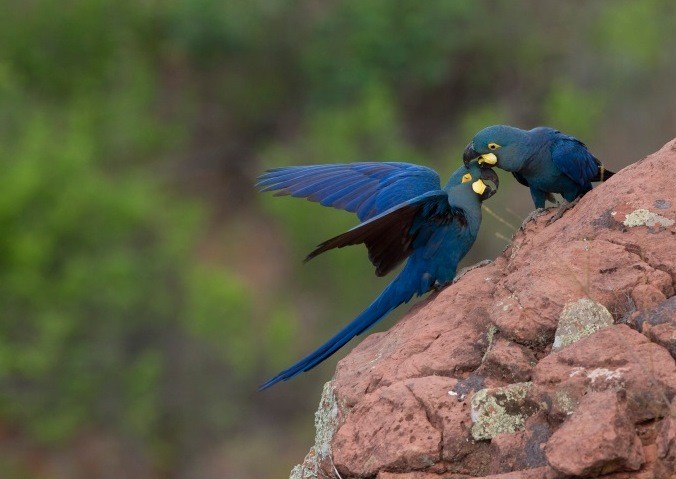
x=146 y=289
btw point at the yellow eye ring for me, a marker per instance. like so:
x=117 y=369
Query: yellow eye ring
x=493 y=146
x=466 y=177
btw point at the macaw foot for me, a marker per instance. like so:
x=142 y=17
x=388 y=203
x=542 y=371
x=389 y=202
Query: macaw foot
x=531 y=217
x=562 y=209
x=466 y=270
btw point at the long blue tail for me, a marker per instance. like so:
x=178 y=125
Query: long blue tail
x=399 y=291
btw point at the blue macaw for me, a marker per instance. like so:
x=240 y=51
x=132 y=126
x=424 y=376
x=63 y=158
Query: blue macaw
x=543 y=159
x=404 y=213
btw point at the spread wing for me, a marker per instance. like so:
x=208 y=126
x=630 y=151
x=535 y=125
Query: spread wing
x=367 y=189
x=572 y=157
x=389 y=236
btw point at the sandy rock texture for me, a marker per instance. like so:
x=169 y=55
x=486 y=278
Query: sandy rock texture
x=555 y=360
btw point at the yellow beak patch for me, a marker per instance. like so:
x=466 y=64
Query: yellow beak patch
x=479 y=187
x=488 y=158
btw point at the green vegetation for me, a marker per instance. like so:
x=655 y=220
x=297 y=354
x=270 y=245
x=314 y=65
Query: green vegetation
x=145 y=288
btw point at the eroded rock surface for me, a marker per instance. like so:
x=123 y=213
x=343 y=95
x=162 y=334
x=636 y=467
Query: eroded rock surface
x=600 y=403
x=665 y=467
x=598 y=438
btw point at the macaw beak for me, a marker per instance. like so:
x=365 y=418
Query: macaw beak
x=490 y=176
x=479 y=187
x=470 y=154
x=488 y=158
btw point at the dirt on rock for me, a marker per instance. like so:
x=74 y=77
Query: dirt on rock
x=599 y=404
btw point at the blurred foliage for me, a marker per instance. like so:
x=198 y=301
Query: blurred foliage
x=146 y=290
x=404 y=44
x=100 y=287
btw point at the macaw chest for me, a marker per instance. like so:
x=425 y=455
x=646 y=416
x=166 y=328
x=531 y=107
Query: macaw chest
x=445 y=249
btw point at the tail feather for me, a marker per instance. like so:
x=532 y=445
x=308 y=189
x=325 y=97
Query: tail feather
x=603 y=174
x=395 y=294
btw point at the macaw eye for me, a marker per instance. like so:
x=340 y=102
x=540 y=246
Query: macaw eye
x=493 y=146
x=466 y=177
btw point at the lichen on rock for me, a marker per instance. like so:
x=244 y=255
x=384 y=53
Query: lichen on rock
x=579 y=319
x=644 y=217
x=501 y=410
x=326 y=423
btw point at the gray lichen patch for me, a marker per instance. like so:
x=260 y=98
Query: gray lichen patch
x=580 y=319
x=326 y=424
x=644 y=217
x=490 y=335
x=501 y=410
x=326 y=421
x=309 y=469
x=565 y=402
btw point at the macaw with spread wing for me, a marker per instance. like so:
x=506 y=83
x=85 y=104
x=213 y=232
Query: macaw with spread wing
x=404 y=214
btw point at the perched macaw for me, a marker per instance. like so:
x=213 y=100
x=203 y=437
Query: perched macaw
x=543 y=159
x=405 y=214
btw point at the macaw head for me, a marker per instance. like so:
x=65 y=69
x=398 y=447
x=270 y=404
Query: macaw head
x=503 y=146
x=482 y=180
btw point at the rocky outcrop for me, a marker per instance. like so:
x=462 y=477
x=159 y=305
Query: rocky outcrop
x=600 y=436
x=555 y=360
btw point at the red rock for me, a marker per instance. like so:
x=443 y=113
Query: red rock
x=616 y=248
x=665 y=467
x=446 y=336
x=537 y=473
x=419 y=475
x=450 y=416
x=507 y=362
x=597 y=439
x=521 y=450
x=614 y=358
x=647 y=471
x=389 y=429
x=659 y=324
x=647 y=296
x=664 y=335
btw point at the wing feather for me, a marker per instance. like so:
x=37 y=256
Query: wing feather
x=367 y=188
x=390 y=235
x=572 y=157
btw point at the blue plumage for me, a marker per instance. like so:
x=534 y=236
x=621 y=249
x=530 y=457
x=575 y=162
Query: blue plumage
x=367 y=188
x=574 y=160
x=544 y=159
x=405 y=214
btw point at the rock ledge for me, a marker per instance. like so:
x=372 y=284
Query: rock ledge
x=470 y=385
